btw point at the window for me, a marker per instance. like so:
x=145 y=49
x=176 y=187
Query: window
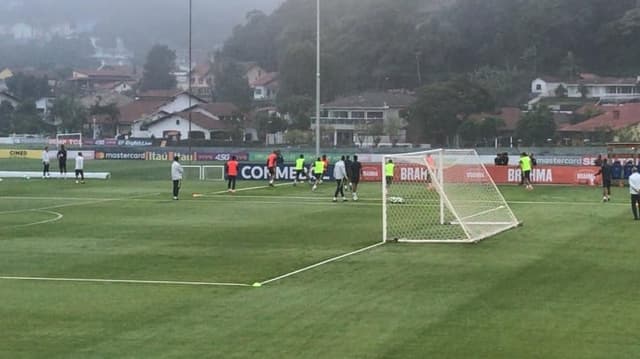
x=626 y=89
x=538 y=87
x=357 y=114
x=611 y=89
x=375 y=115
x=177 y=122
x=258 y=92
x=339 y=114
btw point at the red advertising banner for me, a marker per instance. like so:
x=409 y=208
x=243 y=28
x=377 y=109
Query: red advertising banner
x=572 y=175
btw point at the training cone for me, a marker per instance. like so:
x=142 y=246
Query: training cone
x=196 y=195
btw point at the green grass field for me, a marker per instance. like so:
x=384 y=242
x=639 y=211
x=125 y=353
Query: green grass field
x=564 y=285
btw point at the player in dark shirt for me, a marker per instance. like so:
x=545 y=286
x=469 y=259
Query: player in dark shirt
x=356 y=171
x=62 y=161
x=607 y=176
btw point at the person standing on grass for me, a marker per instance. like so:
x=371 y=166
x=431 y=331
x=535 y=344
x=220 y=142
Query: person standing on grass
x=318 y=172
x=325 y=163
x=634 y=189
x=607 y=176
x=45 y=163
x=231 y=169
x=271 y=166
x=356 y=172
x=299 y=169
x=176 y=176
x=340 y=174
x=62 y=161
x=389 y=169
x=79 y=168
x=347 y=165
x=525 y=169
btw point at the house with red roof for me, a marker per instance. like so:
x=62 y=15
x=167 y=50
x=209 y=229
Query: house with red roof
x=615 y=122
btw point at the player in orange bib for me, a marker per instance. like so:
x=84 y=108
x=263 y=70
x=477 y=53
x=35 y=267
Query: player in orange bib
x=231 y=168
x=271 y=166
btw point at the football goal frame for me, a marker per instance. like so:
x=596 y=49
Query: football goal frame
x=441 y=196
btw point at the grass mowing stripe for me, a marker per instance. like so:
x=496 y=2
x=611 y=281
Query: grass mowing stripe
x=124 y=281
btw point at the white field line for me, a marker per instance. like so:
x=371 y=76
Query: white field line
x=58 y=216
x=124 y=281
x=320 y=263
x=87 y=201
x=250 y=188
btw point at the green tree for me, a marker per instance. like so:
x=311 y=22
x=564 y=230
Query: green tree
x=231 y=84
x=441 y=107
x=110 y=111
x=469 y=132
x=536 y=126
x=561 y=91
x=6 y=117
x=28 y=88
x=161 y=62
x=69 y=114
x=298 y=109
x=27 y=120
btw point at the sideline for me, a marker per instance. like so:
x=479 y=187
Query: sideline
x=124 y=281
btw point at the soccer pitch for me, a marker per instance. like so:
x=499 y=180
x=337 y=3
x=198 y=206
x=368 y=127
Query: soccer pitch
x=173 y=278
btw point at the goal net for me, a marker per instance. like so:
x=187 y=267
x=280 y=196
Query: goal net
x=192 y=173
x=213 y=173
x=444 y=196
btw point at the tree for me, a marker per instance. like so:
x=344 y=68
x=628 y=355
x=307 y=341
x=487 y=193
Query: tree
x=27 y=120
x=469 y=132
x=231 y=84
x=392 y=129
x=27 y=87
x=69 y=114
x=441 y=107
x=561 y=91
x=161 y=62
x=6 y=117
x=584 y=91
x=298 y=109
x=110 y=111
x=536 y=126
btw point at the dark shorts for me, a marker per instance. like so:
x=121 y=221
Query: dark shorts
x=389 y=179
x=79 y=173
x=355 y=180
x=272 y=171
x=526 y=175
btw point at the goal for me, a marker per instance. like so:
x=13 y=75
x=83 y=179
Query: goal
x=442 y=196
x=69 y=139
x=203 y=172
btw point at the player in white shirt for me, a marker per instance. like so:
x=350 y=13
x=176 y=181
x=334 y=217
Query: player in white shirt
x=340 y=174
x=176 y=176
x=79 y=168
x=45 y=163
x=634 y=189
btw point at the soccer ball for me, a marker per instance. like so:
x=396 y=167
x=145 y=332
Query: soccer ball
x=396 y=200
x=27 y=177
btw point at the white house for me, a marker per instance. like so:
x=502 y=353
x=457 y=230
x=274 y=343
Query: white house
x=266 y=87
x=349 y=120
x=593 y=86
x=195 y=123
x=44 y=106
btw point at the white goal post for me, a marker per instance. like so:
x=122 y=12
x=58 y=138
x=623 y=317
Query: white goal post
x=69 y=139
x=203 y=172
x=441 y=196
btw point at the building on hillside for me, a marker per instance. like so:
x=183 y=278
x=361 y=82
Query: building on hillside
x=91 y=80
x=201 y=122
x=608 y=89
x=615 y=122
x=266 y=87
x=365 y=119
x=44 y=106
x=202 y=80
x=53 y=78
x=509 y=116
x=253 y=72
x=5 y=96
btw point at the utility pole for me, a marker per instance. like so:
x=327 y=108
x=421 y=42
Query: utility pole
x=317 y=78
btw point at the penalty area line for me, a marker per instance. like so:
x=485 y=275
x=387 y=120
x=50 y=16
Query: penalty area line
x=319 y=264
x=123 y=281
x=250 y=188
